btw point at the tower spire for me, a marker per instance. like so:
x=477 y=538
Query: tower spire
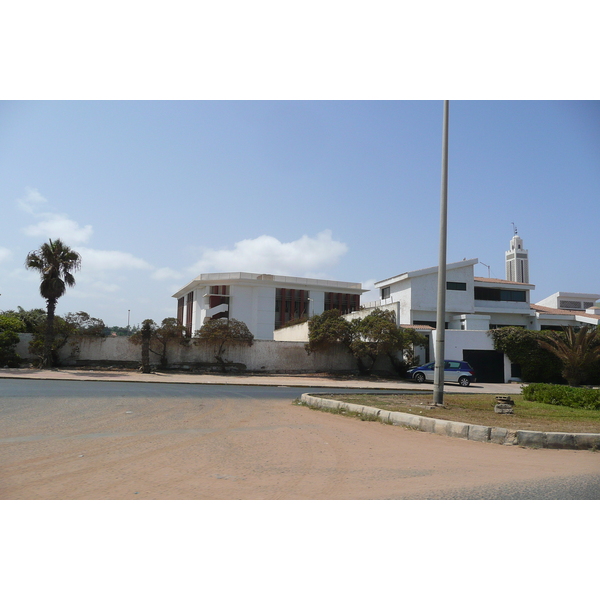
x=517 y=260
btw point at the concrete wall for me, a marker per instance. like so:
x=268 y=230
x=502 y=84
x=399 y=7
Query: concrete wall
x=264 y=355
x=292 y=333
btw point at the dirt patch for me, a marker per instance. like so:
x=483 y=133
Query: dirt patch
x=235 y=444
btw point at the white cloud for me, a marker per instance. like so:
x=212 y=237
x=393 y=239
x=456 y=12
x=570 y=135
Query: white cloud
x=266 y=254
x=59 y=226
x=31 y=201
x=166 y=273
x=51 y=225
x=5 y=254
x=109 y=260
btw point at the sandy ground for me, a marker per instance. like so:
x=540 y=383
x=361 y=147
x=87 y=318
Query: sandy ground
x=202 y=444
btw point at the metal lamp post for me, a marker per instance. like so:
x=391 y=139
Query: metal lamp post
x=438 y=375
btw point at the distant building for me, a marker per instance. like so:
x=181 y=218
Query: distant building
x=263 y=302
x=517 y=261
x=567 y=309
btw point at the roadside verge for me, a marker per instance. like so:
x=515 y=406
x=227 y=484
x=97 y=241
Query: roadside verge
x=467 y=431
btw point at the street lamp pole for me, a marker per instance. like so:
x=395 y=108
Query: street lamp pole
x=438 y=376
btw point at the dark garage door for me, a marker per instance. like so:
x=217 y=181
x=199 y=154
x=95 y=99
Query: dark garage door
x=488 y=365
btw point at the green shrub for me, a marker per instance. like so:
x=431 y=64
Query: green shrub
x=562 y=395
x=10 y=327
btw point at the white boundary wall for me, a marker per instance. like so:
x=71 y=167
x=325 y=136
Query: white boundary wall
x=263 y=355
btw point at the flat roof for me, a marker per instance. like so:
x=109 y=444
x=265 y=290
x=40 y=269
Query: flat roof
x=268 y=279
x=427 y=271
x=502 y=282
x=548 y=311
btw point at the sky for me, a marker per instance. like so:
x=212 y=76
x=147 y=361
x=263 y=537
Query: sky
x=153 y=193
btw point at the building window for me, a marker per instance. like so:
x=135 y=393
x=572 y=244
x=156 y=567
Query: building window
x=385 y=293
x=459 y=286
x=345 y=303
x=219 y=295
x=570 y=304
x=432 y=324
x=180 y=305
x=290 y=305
x=500 y=295
x=189 y=313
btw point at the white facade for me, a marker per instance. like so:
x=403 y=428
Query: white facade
x=263 y=302
x=570 y=301
x=566 y=309
x=472 y=303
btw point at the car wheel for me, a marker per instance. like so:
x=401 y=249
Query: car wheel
x=464 y=381
x=420 y=378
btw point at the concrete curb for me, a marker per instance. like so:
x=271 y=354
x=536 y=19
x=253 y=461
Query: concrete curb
x=476 y=433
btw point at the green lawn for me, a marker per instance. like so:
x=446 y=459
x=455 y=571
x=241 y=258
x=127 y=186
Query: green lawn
x=478 y=409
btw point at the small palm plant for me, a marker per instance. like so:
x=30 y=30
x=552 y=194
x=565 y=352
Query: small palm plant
x=56 y=263
x=576 y=350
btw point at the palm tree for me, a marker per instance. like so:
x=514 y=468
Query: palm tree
x=55 y=262
x=577 y=351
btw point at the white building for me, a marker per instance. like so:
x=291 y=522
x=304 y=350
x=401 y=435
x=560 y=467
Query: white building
x=474 y=306
x=567 y=309
x=263 y=302
x=472 y=303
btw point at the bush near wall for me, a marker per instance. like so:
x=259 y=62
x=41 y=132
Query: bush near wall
x=563 y=395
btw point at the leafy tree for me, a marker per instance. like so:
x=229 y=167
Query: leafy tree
x=522 y=348
x=366 y=338
x=577 y=351
x=31 y=319
x=10 y=327
x=86 y=325
x=66 y=328
x=62 y=331
x=223 y=334
x=55 y=263
x=328 y=329
x=170 y=330
x=122 y=331
x=148 y=327
x=378 y=335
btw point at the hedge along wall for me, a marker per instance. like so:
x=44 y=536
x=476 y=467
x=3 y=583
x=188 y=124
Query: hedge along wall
x=263 y=355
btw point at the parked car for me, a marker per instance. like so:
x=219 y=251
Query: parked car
x=455 y=371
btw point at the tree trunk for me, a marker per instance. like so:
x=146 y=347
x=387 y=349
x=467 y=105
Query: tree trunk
x=48 y=359
x=146 y=334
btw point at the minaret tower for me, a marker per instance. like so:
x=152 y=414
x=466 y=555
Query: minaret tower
x=517 y=260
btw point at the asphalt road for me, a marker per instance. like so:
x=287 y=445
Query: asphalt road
x=112 y=440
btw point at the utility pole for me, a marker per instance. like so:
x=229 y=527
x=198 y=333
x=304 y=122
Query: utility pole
x=438 y=375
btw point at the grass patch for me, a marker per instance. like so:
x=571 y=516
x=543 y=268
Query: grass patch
x=478 y=409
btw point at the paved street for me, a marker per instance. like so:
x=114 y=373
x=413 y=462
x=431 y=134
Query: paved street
x=295 y=380
x=137 y=440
